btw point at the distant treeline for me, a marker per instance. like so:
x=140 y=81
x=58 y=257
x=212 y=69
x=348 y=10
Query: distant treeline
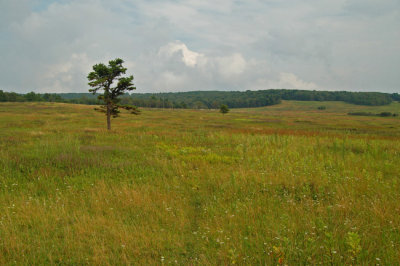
x=211 y=99
x=78 y=98
x=29 y=97
x=235 y=99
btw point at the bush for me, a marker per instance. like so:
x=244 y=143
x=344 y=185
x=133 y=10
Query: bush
x=385 y=114
x=361 y=114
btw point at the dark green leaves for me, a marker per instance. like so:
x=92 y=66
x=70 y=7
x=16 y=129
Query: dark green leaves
x=103 y=78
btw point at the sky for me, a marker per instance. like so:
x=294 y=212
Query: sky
x=185 y=45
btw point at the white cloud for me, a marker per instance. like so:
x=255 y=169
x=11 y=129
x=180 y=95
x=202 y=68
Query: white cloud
x=227 y=44
x=190 y=58
x=231 y=65
x=291 y=81
x=62 y=76
x=180 y=68
x=284 y=80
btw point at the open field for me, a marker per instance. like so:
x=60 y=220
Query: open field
x=286 y=184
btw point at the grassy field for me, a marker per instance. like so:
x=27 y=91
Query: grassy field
x=286 y=184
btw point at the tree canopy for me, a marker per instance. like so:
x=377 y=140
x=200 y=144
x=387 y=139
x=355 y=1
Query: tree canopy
x=224 y=109
x=210 y=99
x=109 y=81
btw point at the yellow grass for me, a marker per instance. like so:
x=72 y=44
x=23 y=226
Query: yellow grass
x=286 y=184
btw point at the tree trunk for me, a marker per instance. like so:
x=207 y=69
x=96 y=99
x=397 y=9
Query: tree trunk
x=108 y=117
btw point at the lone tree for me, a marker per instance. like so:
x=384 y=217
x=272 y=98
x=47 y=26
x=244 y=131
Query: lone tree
x=109 y=80
x=224 y=109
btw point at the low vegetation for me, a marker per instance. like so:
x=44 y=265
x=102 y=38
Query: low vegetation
x=285 y=184
x=224 y=109
x=382 y=114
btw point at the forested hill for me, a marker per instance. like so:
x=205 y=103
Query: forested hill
x=236 y=99
x=212 y=99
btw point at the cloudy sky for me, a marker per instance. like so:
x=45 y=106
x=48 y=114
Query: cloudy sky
x=182 y=45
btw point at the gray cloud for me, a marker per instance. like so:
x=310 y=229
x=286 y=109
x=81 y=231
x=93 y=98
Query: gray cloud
x=202 y=45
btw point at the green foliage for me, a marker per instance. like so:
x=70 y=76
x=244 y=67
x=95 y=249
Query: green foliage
x=396 y=97
x=3 y=97
x=224 y=109
x=382 y=114
x=353 y=241
x=236 y=99
x=214 y=99
x=386 y=114
x=102 y=79
x=33 y=97
x=29 y=97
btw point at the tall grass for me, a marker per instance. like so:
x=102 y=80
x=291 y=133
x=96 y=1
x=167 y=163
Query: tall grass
x=287 y=184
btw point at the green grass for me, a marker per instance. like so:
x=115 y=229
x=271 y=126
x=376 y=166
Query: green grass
x=286 y=184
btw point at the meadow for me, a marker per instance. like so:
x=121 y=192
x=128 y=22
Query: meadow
x=286 y=184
